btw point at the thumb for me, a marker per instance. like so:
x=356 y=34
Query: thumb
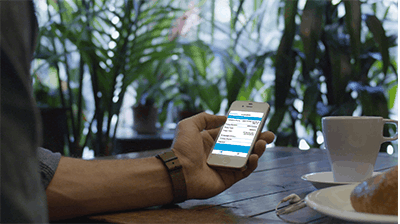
x=207 y=121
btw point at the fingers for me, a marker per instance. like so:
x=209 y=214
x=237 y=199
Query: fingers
x=251 y=165
x=259 y=148
x=267 y=136
x=264 y=139
x=207 y=121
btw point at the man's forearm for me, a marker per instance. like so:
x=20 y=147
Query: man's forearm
x=82 y=187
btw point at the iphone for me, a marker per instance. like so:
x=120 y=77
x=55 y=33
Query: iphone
x=237 y=137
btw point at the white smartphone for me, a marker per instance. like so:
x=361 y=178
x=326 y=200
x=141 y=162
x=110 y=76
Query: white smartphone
x=237 y=137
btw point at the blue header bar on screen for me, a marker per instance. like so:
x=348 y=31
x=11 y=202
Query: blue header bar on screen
x=247 y=118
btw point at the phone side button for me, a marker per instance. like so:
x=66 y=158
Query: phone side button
x=226 y=160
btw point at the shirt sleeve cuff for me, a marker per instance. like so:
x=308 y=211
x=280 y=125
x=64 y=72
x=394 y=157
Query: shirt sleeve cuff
x=48 y=162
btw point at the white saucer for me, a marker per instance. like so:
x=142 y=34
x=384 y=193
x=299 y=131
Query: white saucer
x=325 y=179
x=335 y=202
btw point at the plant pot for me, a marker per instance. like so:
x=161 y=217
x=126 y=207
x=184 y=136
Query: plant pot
x=54 y=126
x=145 y=119
x=186 y=113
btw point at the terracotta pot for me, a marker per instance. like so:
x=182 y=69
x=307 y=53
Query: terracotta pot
x=54 y=125
x=145 y=119
x=185 y=114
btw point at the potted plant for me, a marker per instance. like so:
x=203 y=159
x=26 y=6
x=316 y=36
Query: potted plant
x=152 y=89
x=111 y=45
x=145 y=117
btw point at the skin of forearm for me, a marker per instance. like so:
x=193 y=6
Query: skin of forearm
x=81 y=187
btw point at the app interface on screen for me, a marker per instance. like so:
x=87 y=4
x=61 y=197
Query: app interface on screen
x=238 y=133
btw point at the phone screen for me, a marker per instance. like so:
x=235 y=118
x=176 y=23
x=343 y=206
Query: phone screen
x=238 y=133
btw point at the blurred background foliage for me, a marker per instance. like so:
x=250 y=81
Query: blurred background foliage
x=348 y=54
x=307 y=59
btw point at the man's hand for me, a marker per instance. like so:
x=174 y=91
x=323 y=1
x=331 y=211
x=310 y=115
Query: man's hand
x=192 y=144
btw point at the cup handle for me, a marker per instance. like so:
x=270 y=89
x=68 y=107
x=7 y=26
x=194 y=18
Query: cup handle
x=388 y=139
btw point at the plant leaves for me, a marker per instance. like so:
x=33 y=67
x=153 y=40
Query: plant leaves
x=198 y=54
x=311 y=96
x=276 y=119
x=234 y=78
x=353 y=23
x=285 y=60
x=284 y=65
x=341 y=74
x=374 y=103
x=211 y=97
x=375 y=26
x=310 y=31
x=392 y=96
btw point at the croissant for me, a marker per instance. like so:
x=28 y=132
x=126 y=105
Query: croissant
x=378 y=194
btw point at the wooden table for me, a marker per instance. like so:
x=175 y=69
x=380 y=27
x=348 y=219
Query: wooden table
x=252 y=200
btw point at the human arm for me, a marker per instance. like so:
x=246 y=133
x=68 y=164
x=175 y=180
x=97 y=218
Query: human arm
x=81 y=187
x=87 y=187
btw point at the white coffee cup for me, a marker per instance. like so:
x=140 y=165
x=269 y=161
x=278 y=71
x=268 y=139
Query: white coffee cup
x=353 y=144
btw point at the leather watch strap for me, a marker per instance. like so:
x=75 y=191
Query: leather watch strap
x=176 y=173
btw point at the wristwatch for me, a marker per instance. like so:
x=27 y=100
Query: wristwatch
x=176 y=173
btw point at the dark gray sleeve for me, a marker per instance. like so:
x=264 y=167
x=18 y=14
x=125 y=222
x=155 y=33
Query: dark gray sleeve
x=48 y=162
x=23 y=199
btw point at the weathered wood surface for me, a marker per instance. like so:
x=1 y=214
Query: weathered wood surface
x=252 y=200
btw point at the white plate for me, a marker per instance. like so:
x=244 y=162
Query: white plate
x=335 y=202
x=325 y=179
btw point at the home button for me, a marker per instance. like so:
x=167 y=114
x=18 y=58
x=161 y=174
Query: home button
x=226 y=160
